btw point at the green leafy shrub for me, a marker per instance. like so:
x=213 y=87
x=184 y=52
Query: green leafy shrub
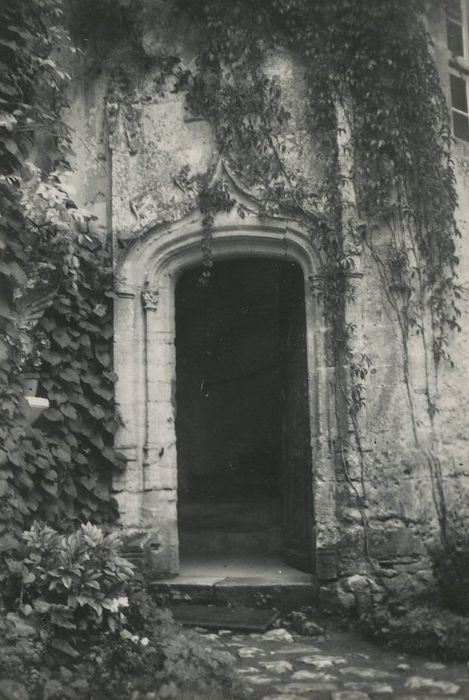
x=156 y=659
x=71 y=582
x=142 y=655
x=451 y=569
x=154 y=654
x=176 y=665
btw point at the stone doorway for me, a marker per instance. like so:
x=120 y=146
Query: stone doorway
x=244 y=479
x=147 y=274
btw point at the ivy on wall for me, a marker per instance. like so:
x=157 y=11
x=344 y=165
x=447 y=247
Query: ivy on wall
x=59 y=469
x=77 y=377
x=378 y=116
x=373 y=60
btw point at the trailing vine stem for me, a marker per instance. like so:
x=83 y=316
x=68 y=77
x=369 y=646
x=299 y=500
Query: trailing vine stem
x=212 y=199
x=403 y=324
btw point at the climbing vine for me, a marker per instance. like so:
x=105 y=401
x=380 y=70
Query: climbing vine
x=212 y=199
x=379 y=118
x=55 y=299
x=387 y=85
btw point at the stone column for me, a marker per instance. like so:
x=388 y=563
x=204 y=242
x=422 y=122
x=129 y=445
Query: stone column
x=128 y=486
x=322 y=377
x=160 y=460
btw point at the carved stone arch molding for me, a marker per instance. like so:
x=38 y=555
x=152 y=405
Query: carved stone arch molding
x=145 y=361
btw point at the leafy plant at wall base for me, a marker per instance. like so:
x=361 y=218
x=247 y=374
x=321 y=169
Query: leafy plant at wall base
x=71 y=582
x=80 y=626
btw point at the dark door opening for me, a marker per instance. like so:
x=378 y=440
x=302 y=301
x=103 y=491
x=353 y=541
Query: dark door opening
x=242 y=425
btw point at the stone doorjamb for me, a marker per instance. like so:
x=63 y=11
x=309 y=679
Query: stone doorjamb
x=145 y=361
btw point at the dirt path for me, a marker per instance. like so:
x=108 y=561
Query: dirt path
x=338 y=666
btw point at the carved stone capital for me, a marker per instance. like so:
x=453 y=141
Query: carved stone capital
x=150 y=298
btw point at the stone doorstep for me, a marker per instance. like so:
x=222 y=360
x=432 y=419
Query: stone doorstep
x=263 y=593
x=248 y=592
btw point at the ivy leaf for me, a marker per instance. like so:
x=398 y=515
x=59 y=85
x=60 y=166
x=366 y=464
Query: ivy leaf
x=51 y=475
x=48 y=324
x=63 y=454
x=51 y=357
x=3 y=350
x=88 y=482
x=70 y=375
x=103 y=392
x=70 y=439
x=97 y=412
x=103 y=358
x=58 y=397
x=107 y=332
x=70 y=489
x=53 y=415
x=102 y=492
x=69 y=411
x=61 y=337
x=91 y=379
x=109 y=454
x=111 y=426
x=97 y=441
x=50 y=487
x=25 y=480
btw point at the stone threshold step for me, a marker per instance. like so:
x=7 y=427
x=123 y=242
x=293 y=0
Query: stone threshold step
x=218 y=617
x=248 y=592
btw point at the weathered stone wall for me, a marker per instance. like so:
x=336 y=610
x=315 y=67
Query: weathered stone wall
x=416 y=473
x=129 y=157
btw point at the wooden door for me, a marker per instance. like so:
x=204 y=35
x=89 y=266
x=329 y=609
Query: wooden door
x=297 y=496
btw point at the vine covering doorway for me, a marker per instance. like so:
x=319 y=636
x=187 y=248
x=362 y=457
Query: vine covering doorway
x=242 y=422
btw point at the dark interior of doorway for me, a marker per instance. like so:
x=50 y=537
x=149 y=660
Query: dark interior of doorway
x=242 y=418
